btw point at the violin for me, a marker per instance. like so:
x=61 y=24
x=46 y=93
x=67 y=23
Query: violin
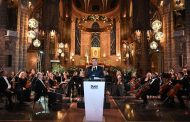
x=28 y=84
x=13 y=79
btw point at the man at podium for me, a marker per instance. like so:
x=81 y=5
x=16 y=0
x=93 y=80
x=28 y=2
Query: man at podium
x=94 y=70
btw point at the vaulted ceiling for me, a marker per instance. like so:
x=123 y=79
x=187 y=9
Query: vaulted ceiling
x=95 y=6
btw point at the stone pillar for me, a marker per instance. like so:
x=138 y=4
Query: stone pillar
x=22 y=29
x=47 y=52
x=167 y=40
x=187 y=32
x=3 y=20
x=145 y=57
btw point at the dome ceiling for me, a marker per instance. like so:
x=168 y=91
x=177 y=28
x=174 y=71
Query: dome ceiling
x=95 y=6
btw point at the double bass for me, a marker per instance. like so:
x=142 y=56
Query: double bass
x=167 y=85
x=174 y=90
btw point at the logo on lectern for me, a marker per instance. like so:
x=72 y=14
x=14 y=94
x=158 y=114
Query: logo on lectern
x=94 y=86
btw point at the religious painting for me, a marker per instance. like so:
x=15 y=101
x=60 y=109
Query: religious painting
x=95 y=52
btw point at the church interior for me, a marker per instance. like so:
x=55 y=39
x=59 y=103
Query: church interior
x=142 y=46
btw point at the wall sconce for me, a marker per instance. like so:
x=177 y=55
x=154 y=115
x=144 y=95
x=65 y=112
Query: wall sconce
x=59 y=51
x=66 y=45
x=118 y=54
x=132 y=52
x=61 y=45
x=72 y=54
x=124 y=46
x=178 y=2
x=138 y=34
x=52 y=34
x=161 y=3
x=62 y=54
x=149 y=34
x=127 y=55
x=104 y=55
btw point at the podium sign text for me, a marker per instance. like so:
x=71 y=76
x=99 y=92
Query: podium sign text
x=94 y=99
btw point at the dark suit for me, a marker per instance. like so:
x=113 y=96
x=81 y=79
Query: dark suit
x=3 y=89
x=40 y=90
x=97 y=72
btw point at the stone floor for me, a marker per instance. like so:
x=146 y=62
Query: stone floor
x=122 y=109
x=155 y=110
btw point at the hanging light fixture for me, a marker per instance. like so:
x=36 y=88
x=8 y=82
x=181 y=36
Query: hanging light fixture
x=66 y=45
x=31 y=34
x=156 y=25
x=127 y=55
x=124 y=46
x=138 y=34
x=61 y=45
x=149 y=34
x=33 y=23
x=62 y=54
x=159 y=35
x=153 y=45
x=36 y=43
x=59 y=50
x=52 y=34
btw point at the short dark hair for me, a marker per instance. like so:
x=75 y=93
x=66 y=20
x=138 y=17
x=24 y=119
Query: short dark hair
x=94 y=58
x=181 y=73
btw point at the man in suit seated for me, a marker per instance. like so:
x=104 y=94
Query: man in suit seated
x=5 y=87
x=42 y=90
x=94 y=70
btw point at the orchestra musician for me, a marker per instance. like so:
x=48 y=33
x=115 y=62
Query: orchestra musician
x=151 y=86
x=81 y=79
x=118 y=87
x=74 y=81
x=33 y=78
x=42 y=89
x=23 y=88
x=5 y=88
x=177 y=89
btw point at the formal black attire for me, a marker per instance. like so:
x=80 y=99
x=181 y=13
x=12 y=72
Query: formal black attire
x=94 y=72
x=5 y=91
x=22 y=94
x=73 y=82
x=154 y=86
x=40 y=90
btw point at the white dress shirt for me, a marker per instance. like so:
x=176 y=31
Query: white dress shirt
x=9 y=85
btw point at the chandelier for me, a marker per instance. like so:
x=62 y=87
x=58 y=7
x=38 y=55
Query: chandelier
x=104 y=22
x=33 y=23
x=156 y=25
x=61 y=45
x=31 y=34
x=153 y=45
x=159 y=35
x=36 y=43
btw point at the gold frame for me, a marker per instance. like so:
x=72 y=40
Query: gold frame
x=95 y=52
